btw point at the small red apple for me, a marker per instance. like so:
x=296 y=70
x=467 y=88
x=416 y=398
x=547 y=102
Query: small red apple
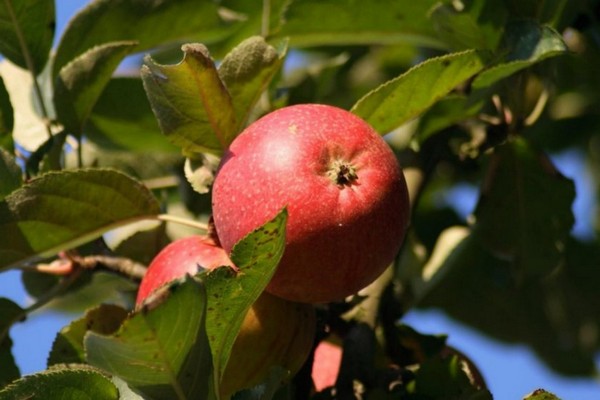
x=275 y=332
x=343 y=188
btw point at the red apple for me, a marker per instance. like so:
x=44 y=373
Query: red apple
x=343 y=188
x=275 y=332
x=326 y=365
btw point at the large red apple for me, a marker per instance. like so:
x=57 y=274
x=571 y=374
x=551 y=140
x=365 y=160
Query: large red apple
x=275 y=332
x=343 y=188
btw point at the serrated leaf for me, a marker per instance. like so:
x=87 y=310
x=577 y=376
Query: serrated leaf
x=78 y=382
x=406 y=96
x=80 y=82
x=524 y=212
x=10 y=313
x=60 y=210
x=478 y=24
x=334 y=22
x=11 y=177
x=151 y=23
x=525 y=44
x=34 y=21
x=122 y=119
x=6 y=119
x=67 y=347
x=246 y=72
x=192 y=105
x=163 y=352
x=256 y=256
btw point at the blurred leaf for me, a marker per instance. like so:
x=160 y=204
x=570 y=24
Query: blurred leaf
x=246 y=72
x=439 y=378
x=122 y=119
x=60 y=210
x=524 y=43
x=6 y=119
x=445 y=113
x=73 y=382
x=10 y=312
x=67 y=347
x=168 y=343
x=11 y=176
x=479 y=24
x=81 y=81
x=151 y=23
x=190 y=101
x=34 y=20
x=524 y=212
x=335 y=22
x=47 y=157
x=144 y=245
x=532 y=313
x=408 y=347
x=256 y=256
x=406 y=96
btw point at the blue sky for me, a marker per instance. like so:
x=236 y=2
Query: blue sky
x=510 y=370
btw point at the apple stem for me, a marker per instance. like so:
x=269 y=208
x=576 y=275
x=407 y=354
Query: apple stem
x=183 y=221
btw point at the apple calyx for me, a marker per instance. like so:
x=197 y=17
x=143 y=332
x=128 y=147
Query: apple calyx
x=342 y=173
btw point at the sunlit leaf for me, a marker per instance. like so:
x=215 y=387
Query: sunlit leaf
x=403 y=98
x=80 y=82
x=162 y=352
x=334 y=22
x=9 y=314
x=525 y=43
x=11 y=176
x=524 y=212
x=256 y=256
x=246 y=72
x=192 y=105
x=151 y=23
x=34 y=20
x=541 y=394
x=73 y=382
x=60 y=210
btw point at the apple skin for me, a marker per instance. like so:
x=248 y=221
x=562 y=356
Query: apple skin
x=343 y=188
x=275 y=332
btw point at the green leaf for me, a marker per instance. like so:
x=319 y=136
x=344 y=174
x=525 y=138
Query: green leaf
x=256 y=256
x=448 y=111
x=11 y=176
x=68 y=344
x=541 y=394
x=406 y=96
x=60 y=210
x=335 y=22
x=6 y=119
x=80 y=82
x=525 y=44
x=9 y=314
x=122 y=119
x=162 y=352
x=151 y=23
x=74 y=382
x=190 y=101
x=524 y=212
x=246 y=72
x=478 y=24
x=27 y=30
